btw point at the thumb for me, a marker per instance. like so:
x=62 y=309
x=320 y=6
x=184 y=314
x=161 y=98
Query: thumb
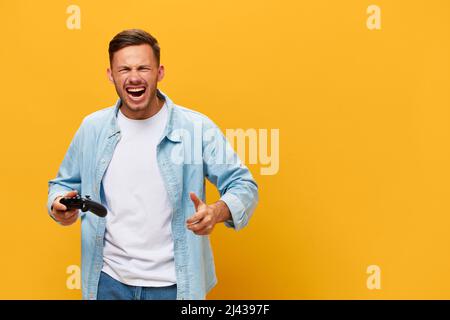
x=195 y=200
x=71 y=194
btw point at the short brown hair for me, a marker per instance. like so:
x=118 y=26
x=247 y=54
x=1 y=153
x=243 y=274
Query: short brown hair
x=133 y=37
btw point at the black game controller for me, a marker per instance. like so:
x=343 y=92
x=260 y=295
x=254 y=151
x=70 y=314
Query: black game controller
x=84 y=204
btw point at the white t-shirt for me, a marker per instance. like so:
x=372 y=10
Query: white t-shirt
x=138 y=240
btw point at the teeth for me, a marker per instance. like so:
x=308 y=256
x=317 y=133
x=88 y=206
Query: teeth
x=135 y=89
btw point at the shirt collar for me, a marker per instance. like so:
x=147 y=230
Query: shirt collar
x=171 y=118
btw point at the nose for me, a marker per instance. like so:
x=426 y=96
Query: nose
x=134 y=77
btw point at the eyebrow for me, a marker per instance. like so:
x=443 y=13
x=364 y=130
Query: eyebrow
x=143 y=65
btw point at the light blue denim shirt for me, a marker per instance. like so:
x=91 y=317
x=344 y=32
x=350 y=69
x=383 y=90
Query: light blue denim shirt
x=191 y=149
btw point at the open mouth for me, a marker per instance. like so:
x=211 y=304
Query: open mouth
x=136 y=92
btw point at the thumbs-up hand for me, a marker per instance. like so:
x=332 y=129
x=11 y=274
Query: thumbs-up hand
x=202 y=222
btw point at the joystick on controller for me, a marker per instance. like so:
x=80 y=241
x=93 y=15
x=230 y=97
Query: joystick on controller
x=85 y=204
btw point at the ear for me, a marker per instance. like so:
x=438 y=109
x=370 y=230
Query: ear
x=109 y=73
x=161 y=73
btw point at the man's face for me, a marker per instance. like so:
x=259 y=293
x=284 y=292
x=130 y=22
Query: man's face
x=135 y=74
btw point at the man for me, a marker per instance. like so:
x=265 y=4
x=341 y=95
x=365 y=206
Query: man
x=146 y=160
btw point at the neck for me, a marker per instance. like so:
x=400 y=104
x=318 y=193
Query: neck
x=154 y=106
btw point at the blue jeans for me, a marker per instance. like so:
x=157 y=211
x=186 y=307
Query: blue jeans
x=111 y=289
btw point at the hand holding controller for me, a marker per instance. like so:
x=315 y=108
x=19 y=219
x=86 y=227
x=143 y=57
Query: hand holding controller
x=61 y=213
x=84 y=204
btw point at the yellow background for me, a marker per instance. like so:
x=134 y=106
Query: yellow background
x=364 y=136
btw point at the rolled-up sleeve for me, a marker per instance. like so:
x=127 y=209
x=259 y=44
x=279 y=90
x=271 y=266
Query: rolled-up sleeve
x=68 y=177
x=234 y=181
